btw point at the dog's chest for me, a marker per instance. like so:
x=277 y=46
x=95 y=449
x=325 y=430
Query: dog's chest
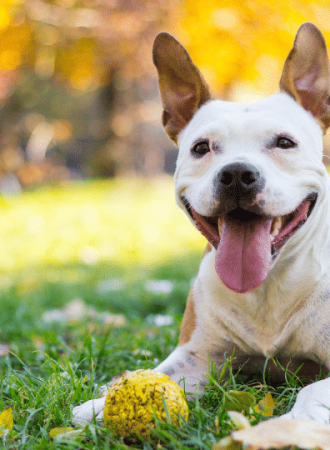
x=256 y=323
x=264 y=333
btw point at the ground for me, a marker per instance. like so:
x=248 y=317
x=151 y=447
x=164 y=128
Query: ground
x=94 y=278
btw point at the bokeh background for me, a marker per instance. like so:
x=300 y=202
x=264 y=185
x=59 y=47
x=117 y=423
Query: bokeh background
x=85 y=167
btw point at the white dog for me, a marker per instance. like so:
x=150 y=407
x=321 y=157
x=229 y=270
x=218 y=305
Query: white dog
x=251 y=179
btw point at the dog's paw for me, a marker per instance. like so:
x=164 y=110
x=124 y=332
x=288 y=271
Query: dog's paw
x=94 y=408
x=87 y=411
x=312 y=403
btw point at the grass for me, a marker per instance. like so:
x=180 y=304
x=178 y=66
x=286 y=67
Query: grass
x=99 y=242
x=127 y=222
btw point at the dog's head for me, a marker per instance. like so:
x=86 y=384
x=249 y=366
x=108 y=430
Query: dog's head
x=248 y=174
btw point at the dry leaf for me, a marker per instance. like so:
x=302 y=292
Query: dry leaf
x=239 y=420
x=59 y=430
x=239 y=401
x=266 y=405
x=227 y=444
x=278 y=433
x=65 y=432
x=6 y=420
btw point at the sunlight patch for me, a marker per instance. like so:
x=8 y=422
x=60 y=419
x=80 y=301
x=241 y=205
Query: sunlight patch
x=4 y=349
x=160 y=320
x=77 y=310
x=112 y=284
x=159 y=286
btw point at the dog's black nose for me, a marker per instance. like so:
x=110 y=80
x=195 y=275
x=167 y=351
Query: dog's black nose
x=239 y=175
x=237 y=184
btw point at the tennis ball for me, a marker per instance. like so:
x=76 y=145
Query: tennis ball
x=133 y=401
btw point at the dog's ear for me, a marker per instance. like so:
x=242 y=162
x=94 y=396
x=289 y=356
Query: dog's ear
x=306 y=73
x=182 y=87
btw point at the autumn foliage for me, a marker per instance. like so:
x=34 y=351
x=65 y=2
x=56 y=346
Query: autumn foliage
x=80 y=74
x=240 y=46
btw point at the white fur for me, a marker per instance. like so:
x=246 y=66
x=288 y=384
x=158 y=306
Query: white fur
x=264 y=321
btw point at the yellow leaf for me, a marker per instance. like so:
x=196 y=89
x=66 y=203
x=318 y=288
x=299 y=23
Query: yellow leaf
x=239 y=420
x=6 y=420
x=239 y=401
x=65 y=433
x=59 y=430
x=278 y=433
x=266 y=405
x=227 y=444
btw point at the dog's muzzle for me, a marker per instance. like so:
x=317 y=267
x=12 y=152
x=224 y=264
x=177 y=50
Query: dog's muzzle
x=246 y=240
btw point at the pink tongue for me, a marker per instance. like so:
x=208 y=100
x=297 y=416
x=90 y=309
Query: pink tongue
x=243 y=257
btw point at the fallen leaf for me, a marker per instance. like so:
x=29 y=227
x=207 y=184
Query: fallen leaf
x=6 y=420
x=239 y=401
x=59 y=430
x=65 y=432
x=239 y=420
x=266 y=405
x=278 y=433
x=227 y=444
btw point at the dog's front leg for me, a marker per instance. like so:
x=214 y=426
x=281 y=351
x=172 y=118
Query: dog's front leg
x=186 y=369
x=312 y=403
x=182 y=365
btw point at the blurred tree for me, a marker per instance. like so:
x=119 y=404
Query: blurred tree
x=99 y=51
x=241 y=46
x=79 y=41
x=77 y=82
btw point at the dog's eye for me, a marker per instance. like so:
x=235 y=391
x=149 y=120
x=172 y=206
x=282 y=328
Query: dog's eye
x=200 y=149
x=285 y=143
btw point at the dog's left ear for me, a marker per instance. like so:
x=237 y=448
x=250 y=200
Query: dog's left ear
x=306 y=73
x=182 y=87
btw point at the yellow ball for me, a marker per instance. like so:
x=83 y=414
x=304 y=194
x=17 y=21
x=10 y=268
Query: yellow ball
x=133 y=401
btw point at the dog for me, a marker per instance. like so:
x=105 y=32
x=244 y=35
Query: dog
x=251 y=179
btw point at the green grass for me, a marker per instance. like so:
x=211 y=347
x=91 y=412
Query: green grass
x=127 y=222
x=52 y=366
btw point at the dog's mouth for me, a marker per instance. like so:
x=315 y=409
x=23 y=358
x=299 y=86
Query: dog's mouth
x=247 y=243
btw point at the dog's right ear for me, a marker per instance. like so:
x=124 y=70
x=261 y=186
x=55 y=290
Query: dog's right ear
x=182 y=87
x=306 y=73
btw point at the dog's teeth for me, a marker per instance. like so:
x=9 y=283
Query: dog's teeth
x=219 y=226
x=276 y=226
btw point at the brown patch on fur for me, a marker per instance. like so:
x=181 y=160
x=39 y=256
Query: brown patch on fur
x=188 y=324
x=189 y=320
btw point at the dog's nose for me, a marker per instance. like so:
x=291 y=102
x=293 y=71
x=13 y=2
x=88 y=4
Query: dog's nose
x=240 y=175
x=237 y=184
